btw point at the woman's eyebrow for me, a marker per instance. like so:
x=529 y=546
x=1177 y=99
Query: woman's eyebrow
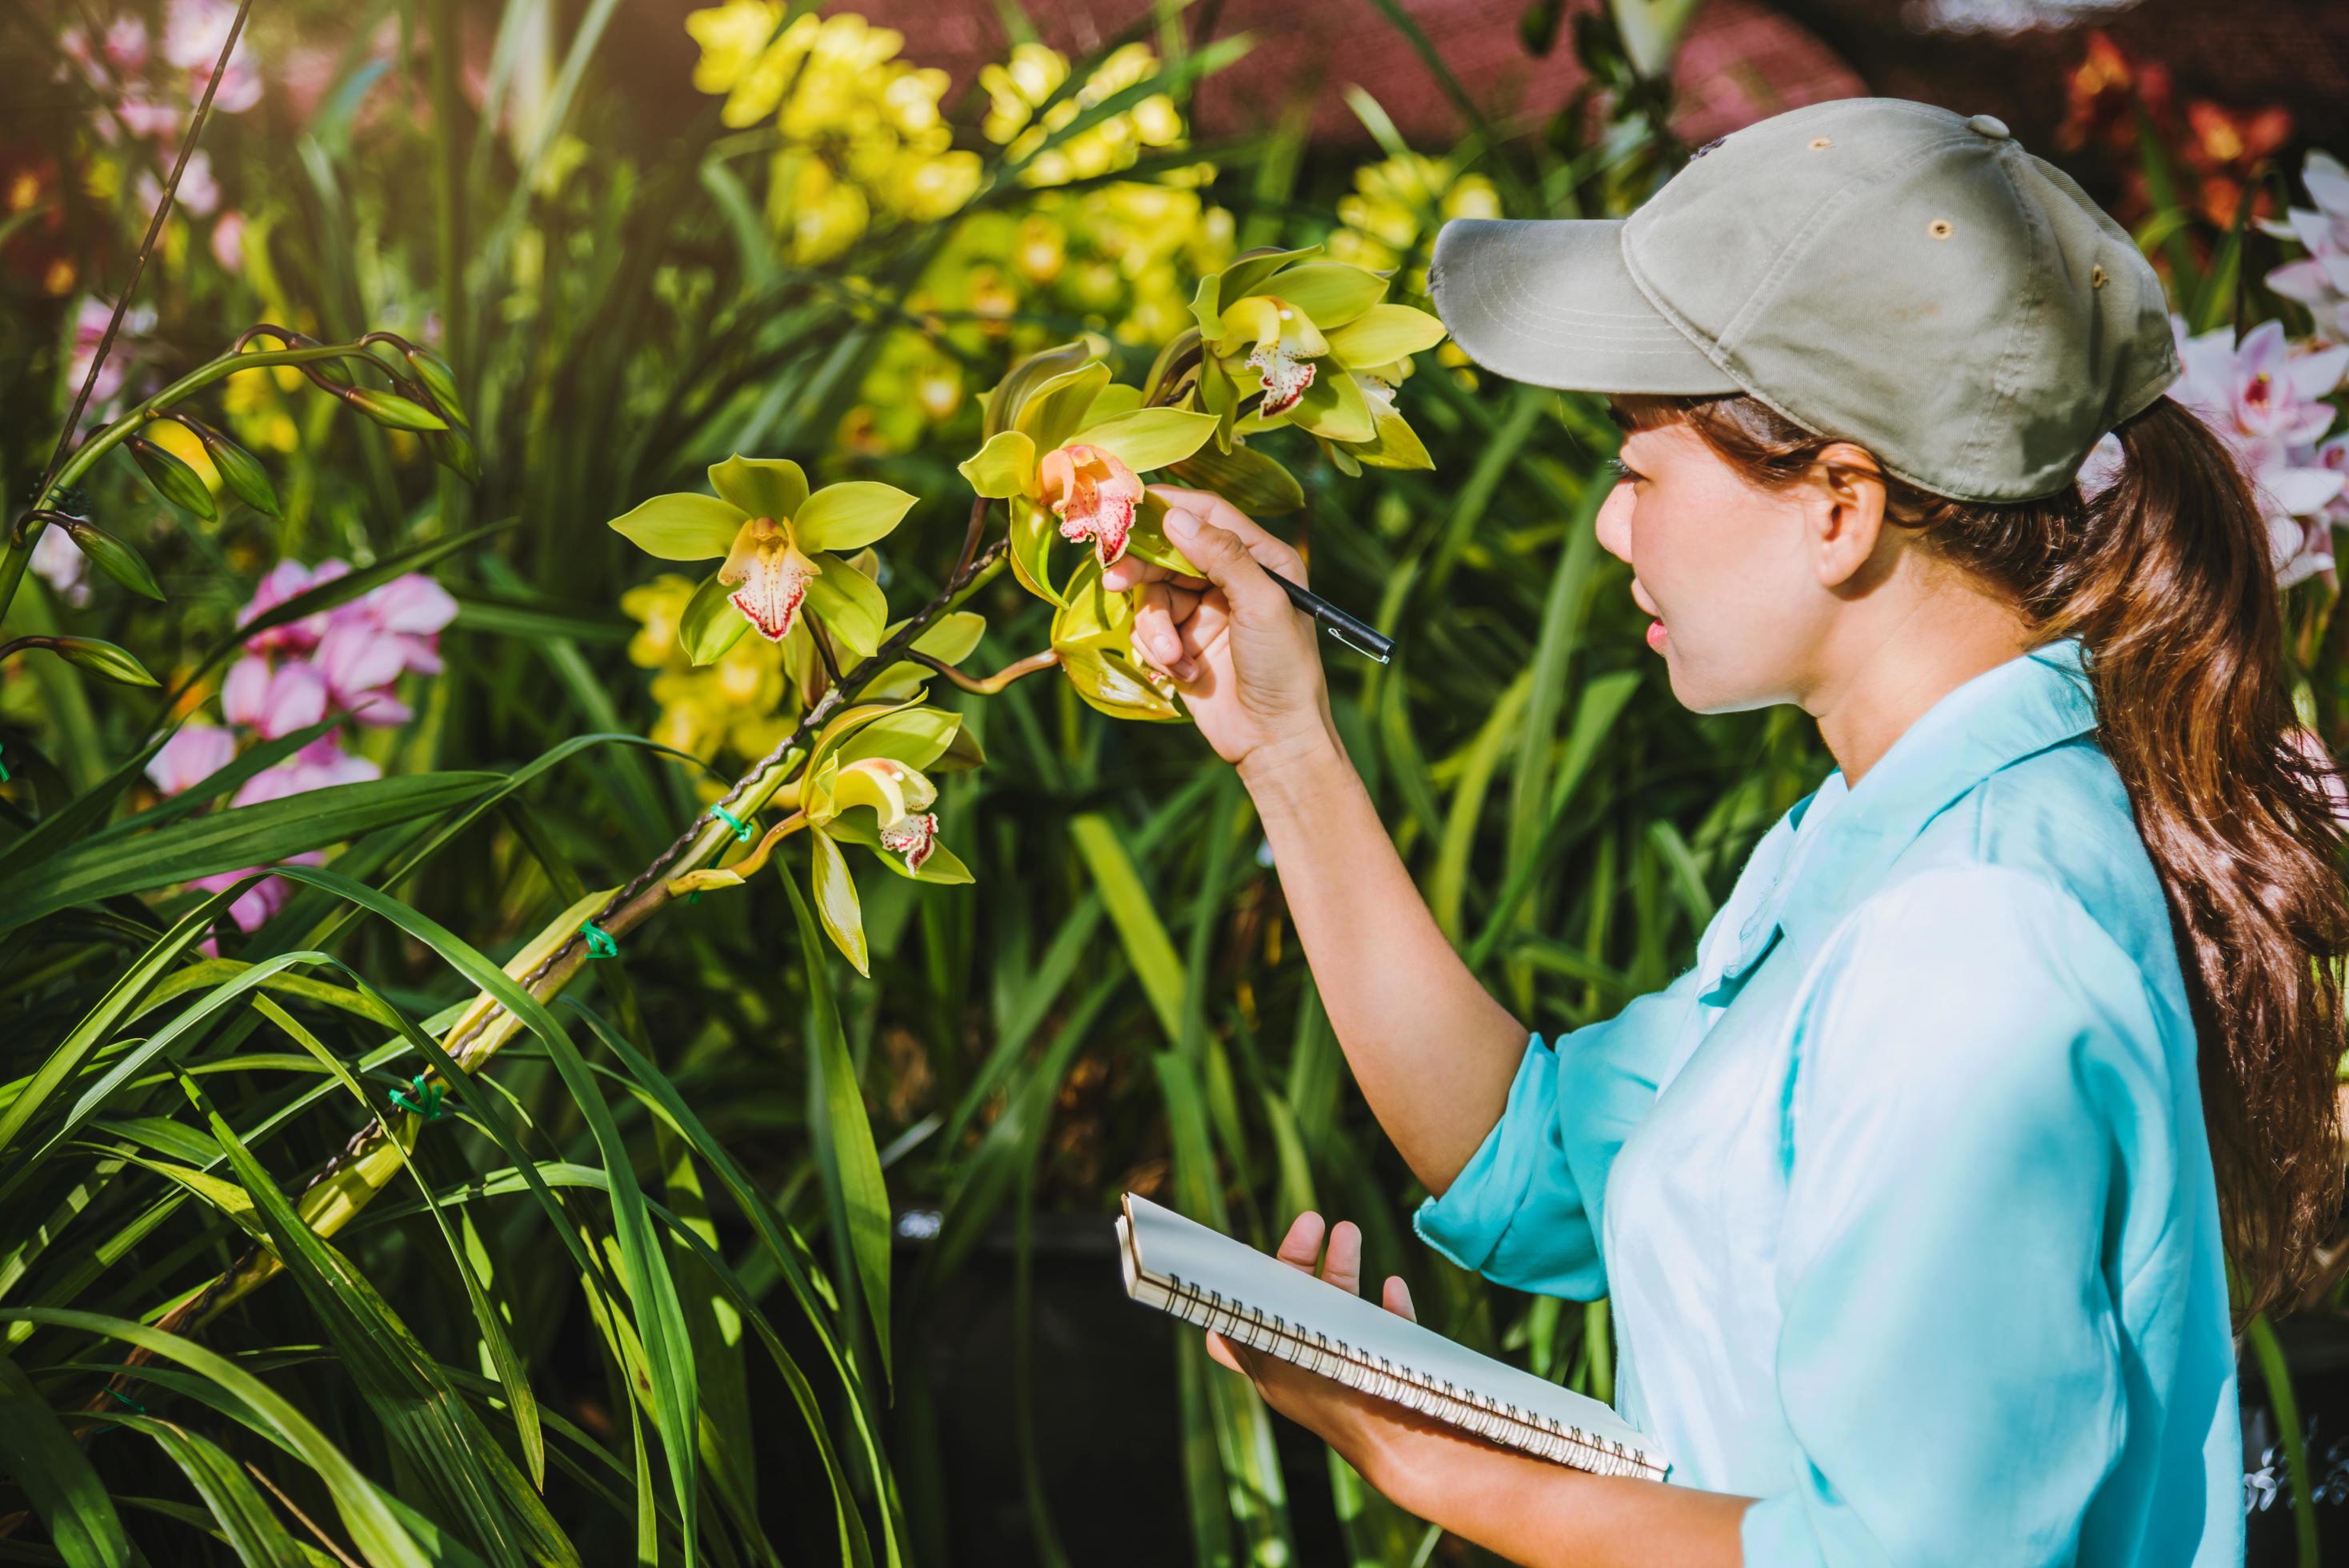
x=1622 y=420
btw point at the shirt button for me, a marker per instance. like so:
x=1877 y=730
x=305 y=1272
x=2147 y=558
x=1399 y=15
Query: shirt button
x=1989 y=125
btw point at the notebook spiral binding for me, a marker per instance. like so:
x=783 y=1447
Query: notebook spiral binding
x=1499 y=1420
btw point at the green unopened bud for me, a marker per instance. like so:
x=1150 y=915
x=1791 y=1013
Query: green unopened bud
x=114 y=558
x=440 y=382
x=392 y=411
x=174 y=479
x=240 y=470
x=102 y=659
x=454 y=450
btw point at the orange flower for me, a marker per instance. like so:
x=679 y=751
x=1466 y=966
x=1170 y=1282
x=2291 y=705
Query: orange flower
x=1094 y=494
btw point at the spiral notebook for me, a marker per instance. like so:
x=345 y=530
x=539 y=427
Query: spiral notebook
x=1205 y=1277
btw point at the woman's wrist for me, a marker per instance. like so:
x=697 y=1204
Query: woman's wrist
x=1293 y=768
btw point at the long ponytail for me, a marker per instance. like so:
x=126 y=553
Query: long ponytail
x=2165 y=577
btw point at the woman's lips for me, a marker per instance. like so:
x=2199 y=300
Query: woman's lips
x=1657 y=636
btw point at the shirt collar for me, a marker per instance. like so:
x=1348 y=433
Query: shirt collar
x=2032 y=701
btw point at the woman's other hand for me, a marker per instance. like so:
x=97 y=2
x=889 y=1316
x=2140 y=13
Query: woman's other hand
x=1246 y=659
x=1376 y=1436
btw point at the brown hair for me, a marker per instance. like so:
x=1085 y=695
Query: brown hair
x=2165 y=578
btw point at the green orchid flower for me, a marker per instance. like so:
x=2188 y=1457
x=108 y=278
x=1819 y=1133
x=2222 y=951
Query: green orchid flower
x=1092 y=632
x=868 y=782
x=1067 y=445
x=781 y=546
x=1313 y=344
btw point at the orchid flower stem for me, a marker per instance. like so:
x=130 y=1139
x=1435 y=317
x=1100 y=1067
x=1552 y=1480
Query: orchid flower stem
x=27 y=531
x=751 y=864
x=823 y=650
x=990 y=684
x=472 y=1044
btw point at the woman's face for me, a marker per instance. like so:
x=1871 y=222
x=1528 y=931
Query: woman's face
x=1730 y=571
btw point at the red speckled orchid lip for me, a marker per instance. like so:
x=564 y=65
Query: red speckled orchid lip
x=1094 y=494
x=913 y=836
x=773 y=573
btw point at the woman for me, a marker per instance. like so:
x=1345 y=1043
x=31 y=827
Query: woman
x=1915 y=1196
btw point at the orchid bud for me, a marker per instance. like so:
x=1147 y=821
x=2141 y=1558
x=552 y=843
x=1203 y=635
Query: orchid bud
x=114 y=558
x=174 y=479
x=439 y=381
x=454 y=450
x=241 y=472
x=100 y=659
x=393 y=412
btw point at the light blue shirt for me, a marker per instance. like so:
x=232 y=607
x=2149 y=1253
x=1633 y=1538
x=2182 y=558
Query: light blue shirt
x=1901 y=1195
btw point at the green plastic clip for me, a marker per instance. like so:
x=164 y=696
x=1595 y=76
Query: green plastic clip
x=742 y=831
x=599 y=941
x=431 y=1109
x=126 y=1399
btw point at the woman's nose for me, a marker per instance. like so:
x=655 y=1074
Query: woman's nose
x=1615 y=521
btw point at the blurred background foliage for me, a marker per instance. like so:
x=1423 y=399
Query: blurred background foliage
x=637 y=1296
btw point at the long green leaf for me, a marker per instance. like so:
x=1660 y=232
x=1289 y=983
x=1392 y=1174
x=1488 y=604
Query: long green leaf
x=56 y=1478
x=375 y=1529
x=851 y=1160
x=230 y=841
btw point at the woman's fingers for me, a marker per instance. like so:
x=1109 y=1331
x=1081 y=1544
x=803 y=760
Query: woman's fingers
x=1154 y=626
x=1343 y=1266
x=1397 y=1297
x=1130 y=569
x=1158 y=622
x=1272 y=551
x=1302 y=1246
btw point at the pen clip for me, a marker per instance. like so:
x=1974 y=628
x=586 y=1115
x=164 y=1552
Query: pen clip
x=1378 y=650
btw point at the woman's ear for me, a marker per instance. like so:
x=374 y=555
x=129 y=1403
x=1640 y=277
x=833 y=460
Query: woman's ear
x=1844 y=509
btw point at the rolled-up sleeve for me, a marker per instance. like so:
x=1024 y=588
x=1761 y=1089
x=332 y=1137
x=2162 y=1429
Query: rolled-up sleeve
x=1525 y=1211
x=1973 y=1060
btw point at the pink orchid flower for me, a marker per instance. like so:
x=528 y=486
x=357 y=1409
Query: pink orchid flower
x=408 y=613
x=195 y=32
x=2319 y=280
x=194 y=754
x=2265 y=403
x=274 y=698
x=358 y=664
x=286 y=580
x=255 y=907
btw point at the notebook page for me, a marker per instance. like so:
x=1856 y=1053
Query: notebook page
x=1166 y=1244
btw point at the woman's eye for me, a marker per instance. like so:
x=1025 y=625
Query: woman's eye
x=1623 y=470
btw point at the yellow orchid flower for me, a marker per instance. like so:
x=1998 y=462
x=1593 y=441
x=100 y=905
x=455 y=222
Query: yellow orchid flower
x=780 y=545
x=1066 y=446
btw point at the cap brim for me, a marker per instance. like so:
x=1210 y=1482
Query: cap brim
x=1548 y=301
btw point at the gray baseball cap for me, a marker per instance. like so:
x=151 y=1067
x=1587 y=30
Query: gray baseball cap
x=1877 y=270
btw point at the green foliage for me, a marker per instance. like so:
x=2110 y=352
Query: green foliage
x=644 y=1263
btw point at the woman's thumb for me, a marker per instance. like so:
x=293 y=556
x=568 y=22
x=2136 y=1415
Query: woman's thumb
x=1224 y=560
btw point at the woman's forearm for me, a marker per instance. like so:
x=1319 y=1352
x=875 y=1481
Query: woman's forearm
x=1434 y=1052
x=1545 y=1515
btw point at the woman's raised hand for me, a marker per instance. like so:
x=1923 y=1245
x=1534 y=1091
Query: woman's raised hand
x=1246 y=659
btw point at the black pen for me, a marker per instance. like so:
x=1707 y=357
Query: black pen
x=1357 y=635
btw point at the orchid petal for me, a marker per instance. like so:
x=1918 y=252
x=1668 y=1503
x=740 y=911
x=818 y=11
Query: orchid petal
x=1004 y=468
x=682 y=526
x=760 y=487
x=850 y=604
x=848 y=516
